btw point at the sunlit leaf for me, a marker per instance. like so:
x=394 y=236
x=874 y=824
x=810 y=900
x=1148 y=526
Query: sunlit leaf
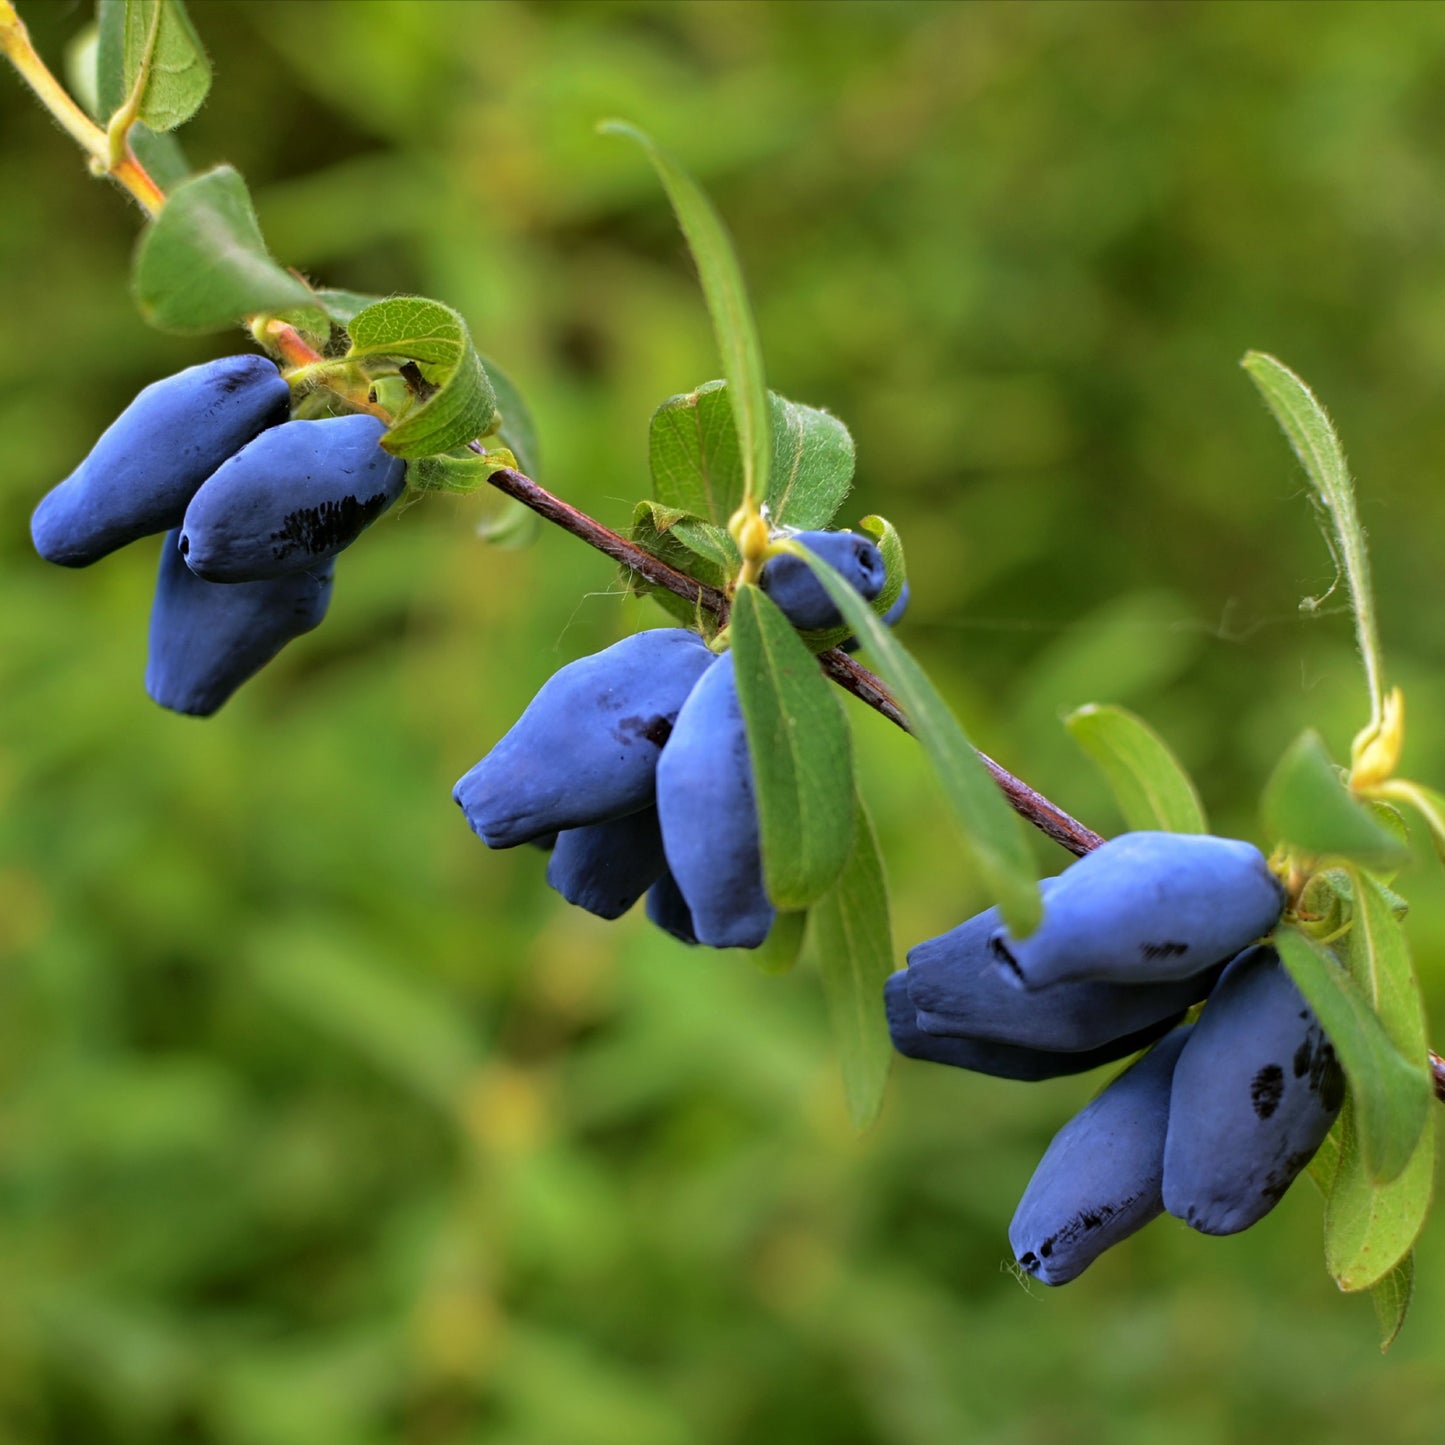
x=149 y=53
x=1149 y=782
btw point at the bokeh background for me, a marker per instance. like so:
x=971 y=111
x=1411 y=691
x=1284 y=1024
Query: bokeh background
x=318 y=1123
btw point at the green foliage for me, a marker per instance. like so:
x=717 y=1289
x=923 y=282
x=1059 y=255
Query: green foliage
x=1151 y=786
x=459 y=405
x=992 y=834
x=799 y=744
x=1391 y=1096
x=1392 y=1300
x=850 y=942
x=1307 y=804
x=202 y=264
x=727 y=302
x=697 y=467
x=890 y=544
x=151 y=61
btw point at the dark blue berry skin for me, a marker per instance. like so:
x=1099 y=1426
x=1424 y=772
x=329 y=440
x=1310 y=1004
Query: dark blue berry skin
x=1004 y=1061
x=606 y=867
x=586 y=748
x=149 y=462
x=295 y=496
x=709 y=816
x=207 y=638
x=891 y=618
x=800 y=596
x=1147 y=907
x=1255 y=1093
x=668 y=909
x=957 y=988
x=1099 y=1180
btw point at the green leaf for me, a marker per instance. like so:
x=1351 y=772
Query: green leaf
x=1149 y=782
x=850 y=942
x=1307 y=804
x=460 y=404
x=459 y=470
x=517 y=431
x=1391 y=1096
x=697 y=468
x=685 y=542
x=202 y=265
x=995 y=845
x=1312 y=435
x=1392 y=1300
x=801 y=753
x=895 y=567
x=1370 y=1227
x=727 y=303
x=150 y=56
x=343 y=306
x=780 y=950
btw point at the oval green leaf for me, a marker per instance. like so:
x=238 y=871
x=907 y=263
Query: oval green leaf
x=202 y=265
x=150 y=58
x=995 y=845
x=850 y=941
x=1391 y=1096
x=801 y=753
x=1150 y=784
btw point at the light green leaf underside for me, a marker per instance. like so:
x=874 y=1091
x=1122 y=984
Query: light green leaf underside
x=1306 y=804
x=1149 y=782
x=150 y=46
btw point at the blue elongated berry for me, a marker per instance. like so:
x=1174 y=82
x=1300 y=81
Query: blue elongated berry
x=957 y=988
x=149 y=462
x=296 y=495
x=791 y=584
x=1146 y=907
x=1004 y=1061
x=606 y=867
x=207 y=638
x=709 y=817
x=668 y=909
x=891 y=618
x=1255 y=1093
x=586 y=748
x=1099 y=1180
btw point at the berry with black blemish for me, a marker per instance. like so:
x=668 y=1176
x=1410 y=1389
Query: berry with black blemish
x=295 y=496
x=1100 y=1179
x=207 y=638
x=710 y=818
x=1256 y=1091
x=586 y=748
x=1005 y=1061
x=789 y=581
x=147 y=465
x=1144 y=908
x=958 y=990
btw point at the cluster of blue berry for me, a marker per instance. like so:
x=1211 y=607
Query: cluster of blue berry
x=254 y=506
x=632 y=765
x=1216 y=1120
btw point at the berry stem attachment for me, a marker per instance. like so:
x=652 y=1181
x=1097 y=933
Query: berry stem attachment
x=118 y=162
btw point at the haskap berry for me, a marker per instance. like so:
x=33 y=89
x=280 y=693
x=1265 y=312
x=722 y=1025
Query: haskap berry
x=1146 y=907
x=586 y=748
x=606 y=867
x=789 y=581
x=1256 y=1091
x=295 y=496
x=957 y=989
x=207 y=638
x=1101 y=1178
x=148 y=464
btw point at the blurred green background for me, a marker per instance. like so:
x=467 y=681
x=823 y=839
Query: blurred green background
x=318 y=1123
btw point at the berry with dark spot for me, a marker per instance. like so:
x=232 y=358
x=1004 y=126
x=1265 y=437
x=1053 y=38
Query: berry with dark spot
x=148 y=464
x=1005 y=1061
x=586 y=749
x=790 y=583
x=709 y=816
x=957 y=988
x=1144 y=908
x=207 y=638
x=295 y=496
x=1100 y=1179
x=1255 y=1093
